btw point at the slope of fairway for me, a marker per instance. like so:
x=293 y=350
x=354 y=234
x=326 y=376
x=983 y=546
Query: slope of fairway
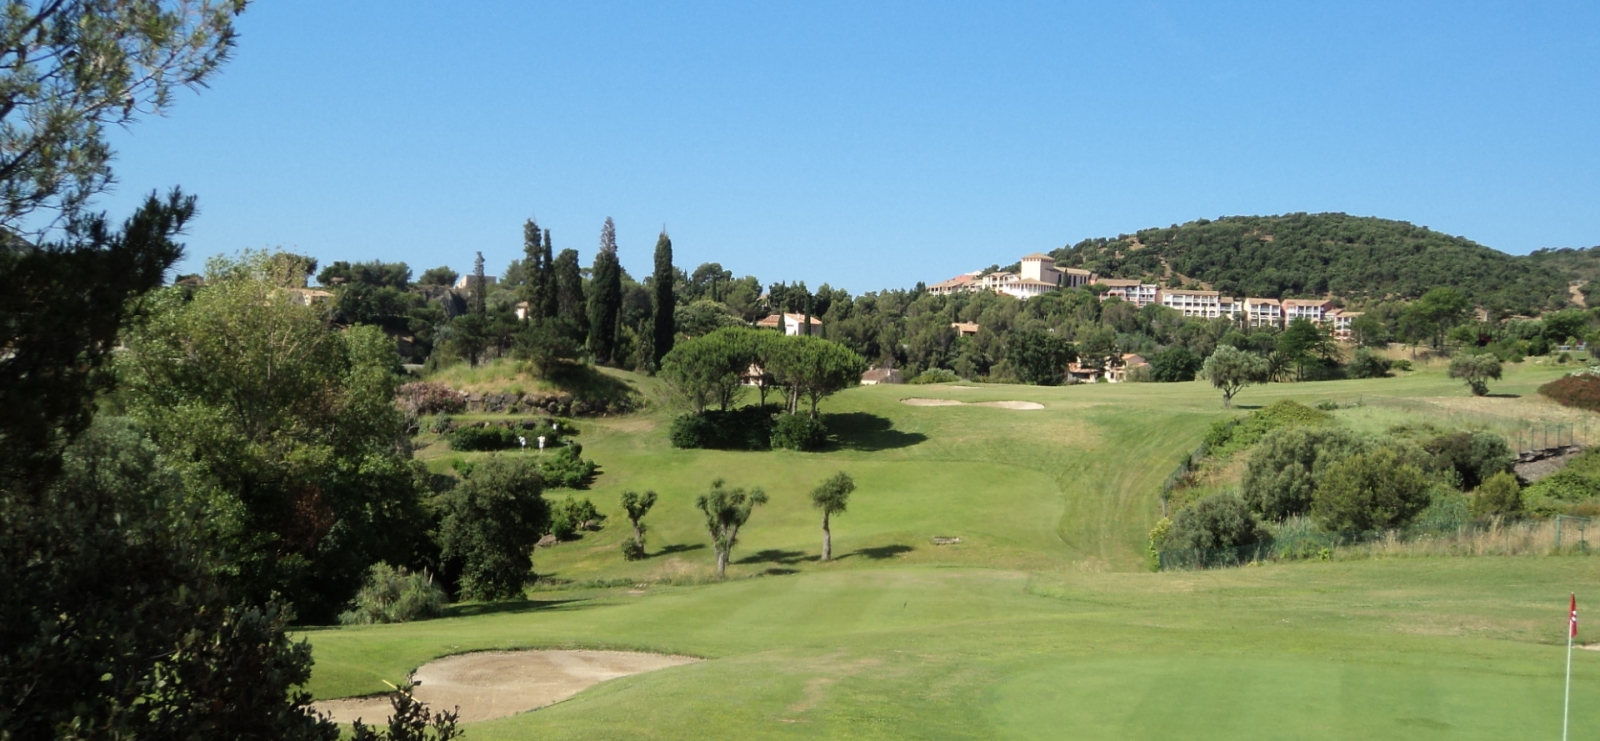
x=1039 y=623
x=1464 y=648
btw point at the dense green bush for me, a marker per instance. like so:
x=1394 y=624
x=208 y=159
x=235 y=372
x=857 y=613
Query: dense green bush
x=1175 y=364
x=392 y=595
x=481 y=438
x=799 y=432
x=935 y=375
x=571 y=515
x=1218 y=522
x=1577 y=483
x=1369 y=491
x=1368 y=364
x=1469 y=457
x=565 y=468
x=1499 y=495
x=1282 y=477
x=744 y=428
x=489 y=524
x=1580 y=390
x=1236 y=434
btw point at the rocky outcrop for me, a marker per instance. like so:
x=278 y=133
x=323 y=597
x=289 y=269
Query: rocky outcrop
x=1532 y=465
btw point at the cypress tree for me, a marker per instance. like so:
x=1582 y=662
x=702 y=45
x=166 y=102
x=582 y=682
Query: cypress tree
x=666 y=303
x=552 y=303
x=570 y=308
x=538 y=272
x=605 y=296
x=477 y=288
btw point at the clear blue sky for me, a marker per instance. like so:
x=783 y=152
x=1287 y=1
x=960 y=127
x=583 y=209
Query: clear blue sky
x=873 y=144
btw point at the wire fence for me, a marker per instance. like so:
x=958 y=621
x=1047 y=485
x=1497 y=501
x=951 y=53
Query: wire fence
x=1185 y=467
x=1560 y=535
x=1520 y=432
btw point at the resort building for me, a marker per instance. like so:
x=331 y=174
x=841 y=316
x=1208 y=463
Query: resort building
x=1263 y=312
x=1341 y=320
x=1131 y=291
x=1302 y=308
x=1207 y=304
x=881 y=375
x=1036 y=274
x=965 y=329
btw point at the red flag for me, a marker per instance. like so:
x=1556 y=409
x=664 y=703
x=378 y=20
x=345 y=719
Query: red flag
x=1573 y=618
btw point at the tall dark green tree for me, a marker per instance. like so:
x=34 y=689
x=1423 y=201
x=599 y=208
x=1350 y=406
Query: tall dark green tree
x=480 y=292
x=666 y=303
x=605 y=298
x=536 y=286
x=571 y=309
x=552 y=301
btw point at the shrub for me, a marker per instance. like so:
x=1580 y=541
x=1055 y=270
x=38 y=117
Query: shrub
x=481 y=438
x=1472 y=457
x=392 y=595
x=799 y=432
x=489 y=524
x=1579 y=390
x=631 y=550
x=1368 y=491
x=572 y=514
x=565 y=468
x=1499 y=495
x=935 y=375
x=1281 y=480
x=745 y=428
x=1400 y=365
x=1367 y=364
x=427 y=397
x=1175 y=365
x=1228 y=436
x=440 y=424
x=1218 y=522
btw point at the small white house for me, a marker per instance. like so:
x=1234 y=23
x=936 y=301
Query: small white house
x=791 y=324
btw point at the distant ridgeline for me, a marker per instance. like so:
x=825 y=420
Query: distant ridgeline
x=1311 y=255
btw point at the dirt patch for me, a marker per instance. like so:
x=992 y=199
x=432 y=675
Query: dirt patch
x=953 y=403
x=495 y=684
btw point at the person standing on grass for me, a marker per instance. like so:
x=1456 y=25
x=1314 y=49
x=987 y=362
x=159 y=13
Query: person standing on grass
x=832 y=497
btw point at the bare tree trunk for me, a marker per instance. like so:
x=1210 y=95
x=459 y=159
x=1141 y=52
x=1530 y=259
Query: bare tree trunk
x=827 y=538
x=722 y=562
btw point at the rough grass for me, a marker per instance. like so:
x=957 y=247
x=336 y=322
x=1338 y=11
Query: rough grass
x=1038 y=624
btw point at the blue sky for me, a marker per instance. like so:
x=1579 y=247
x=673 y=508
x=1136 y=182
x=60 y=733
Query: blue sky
x=872 y=145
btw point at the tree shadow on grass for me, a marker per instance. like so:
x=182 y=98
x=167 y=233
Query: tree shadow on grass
x=868 y=432
x=780 y=572
x=879 y=553
x=1504 y=396
x=509 y=607
x=773 y=555
x=677 y=548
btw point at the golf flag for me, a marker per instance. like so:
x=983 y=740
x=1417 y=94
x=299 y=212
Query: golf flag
x=1572 y=630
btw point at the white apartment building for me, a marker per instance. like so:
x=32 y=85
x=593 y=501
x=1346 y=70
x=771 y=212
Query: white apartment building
x=1341 y=320
x=1207 y=304
x=1304 y=308
x=1263 y=312
x=1131 y=291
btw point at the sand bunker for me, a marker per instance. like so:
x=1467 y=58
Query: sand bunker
x=495 y=684
x=953 y=403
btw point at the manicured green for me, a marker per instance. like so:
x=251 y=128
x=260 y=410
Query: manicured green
x=1039 y=623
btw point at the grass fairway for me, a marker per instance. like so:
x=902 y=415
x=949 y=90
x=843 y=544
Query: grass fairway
x=1039 y=624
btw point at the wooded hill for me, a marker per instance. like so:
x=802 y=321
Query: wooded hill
x=1313 y=255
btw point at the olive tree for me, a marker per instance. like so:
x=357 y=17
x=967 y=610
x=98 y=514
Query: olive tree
x=726 y=511
x=1477 y=370
x=1231 y=369
x=832 y=497
x=637 y=506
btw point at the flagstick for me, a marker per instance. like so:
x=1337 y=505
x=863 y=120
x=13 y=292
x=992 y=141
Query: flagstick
x=1566 y=706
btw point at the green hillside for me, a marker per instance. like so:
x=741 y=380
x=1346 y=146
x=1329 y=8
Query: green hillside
x=1578 y=265
x=1306 y=255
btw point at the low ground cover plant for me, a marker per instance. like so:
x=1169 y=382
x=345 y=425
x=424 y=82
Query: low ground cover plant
x=1579 y=390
